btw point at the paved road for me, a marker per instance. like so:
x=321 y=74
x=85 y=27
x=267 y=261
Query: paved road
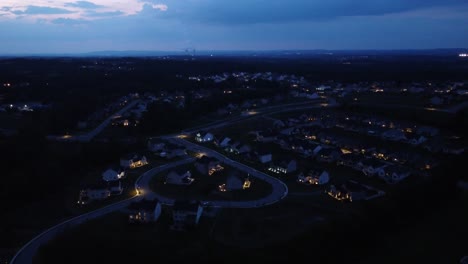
x=279 y=189
x=264 y=111
x=91 y=134
x=27 y=252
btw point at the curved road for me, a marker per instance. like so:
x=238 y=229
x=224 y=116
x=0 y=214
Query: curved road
x=27 y=252
x=280 y=190
x=91 y=134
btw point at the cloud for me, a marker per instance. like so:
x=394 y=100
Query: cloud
x=83 y=5
x=42 y=10
x=280 y=11
x=70 y=22
x=104 y=14
x=49 y=10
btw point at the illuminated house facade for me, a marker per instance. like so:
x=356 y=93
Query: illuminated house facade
x=144 y=211
x=204 y=137
x=314 y=177
x=208 y=166
x=133 y=160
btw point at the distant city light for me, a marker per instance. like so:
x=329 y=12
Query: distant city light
x=463 y=55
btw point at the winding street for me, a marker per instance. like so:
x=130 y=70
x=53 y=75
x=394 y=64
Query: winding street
x=279 y=189
x=27 y=252
x=87 y=137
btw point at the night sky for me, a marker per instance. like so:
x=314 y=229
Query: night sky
x=64 y=26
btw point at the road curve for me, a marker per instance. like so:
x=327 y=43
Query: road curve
x=91 y=134
x=27 y=252
x=279 y=188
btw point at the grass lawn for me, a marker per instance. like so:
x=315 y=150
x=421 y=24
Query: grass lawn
x=206 y=187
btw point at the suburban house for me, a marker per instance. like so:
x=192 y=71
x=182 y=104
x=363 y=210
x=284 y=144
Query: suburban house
x=415 y=139
x=234 y=182
x=207 y=165
x=264 y=156
x=222 y=142
x=93 y=192
x=266 y=136
x=394 y=174
x=238 y=148
x=394 y=135
x=314 y=177
x=144 y=211
x=179 y=177
x=353 y=191
x=172 y=150
x=115 y=187
x=328 y=155
x=114 y=173
x=133 y=161
x=156 y=145
x=350 y=160
x=204 y=137
x=371 y=166
x=185 y=215
x=233 y=147
x=283 y=166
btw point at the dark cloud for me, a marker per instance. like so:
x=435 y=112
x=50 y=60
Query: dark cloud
x=42 y=10
x=279 y=11
x=84 y=5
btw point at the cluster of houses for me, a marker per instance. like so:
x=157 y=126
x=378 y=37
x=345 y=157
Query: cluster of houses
x=111 y=182
x=433 y=94
x=106 y=111
x=353 y=191
x=165 y=149
x=185 y=214
x=209 y=167
x=345 y=140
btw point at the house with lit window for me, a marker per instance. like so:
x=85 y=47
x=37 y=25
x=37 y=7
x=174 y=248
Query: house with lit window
x=328 y=155
x=132 y=161
x=186 y=215
x=208 y=165
x=235 y=182
x=314 y=177
x=283 y=166
x=144 y=211
x=179 y=177
x=203 y=137
x=113 y=173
